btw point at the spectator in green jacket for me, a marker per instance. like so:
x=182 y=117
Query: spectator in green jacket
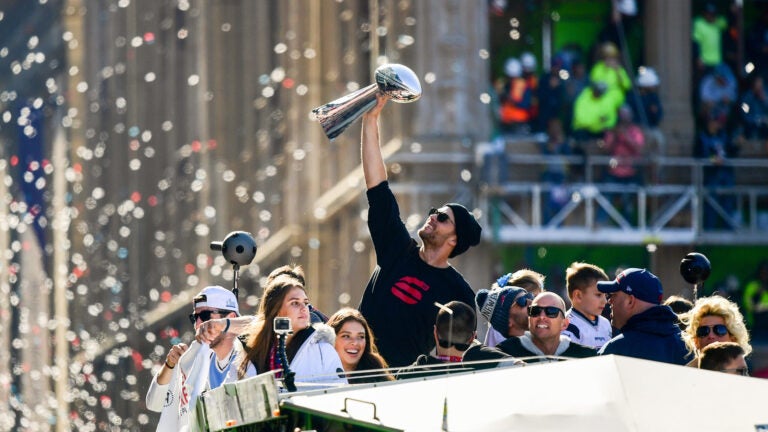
x=610 y=71
x=594 y=111
x=707 y=33
x=756 y=299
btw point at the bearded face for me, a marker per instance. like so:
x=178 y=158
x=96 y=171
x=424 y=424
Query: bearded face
x=438 y=228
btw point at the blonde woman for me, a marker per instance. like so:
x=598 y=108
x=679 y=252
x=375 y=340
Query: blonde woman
x=714 y=319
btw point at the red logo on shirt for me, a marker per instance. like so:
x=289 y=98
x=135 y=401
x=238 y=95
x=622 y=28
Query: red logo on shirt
x=184 y=396
x=409 y=289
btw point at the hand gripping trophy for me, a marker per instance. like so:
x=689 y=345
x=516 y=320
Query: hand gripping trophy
x=396 y=81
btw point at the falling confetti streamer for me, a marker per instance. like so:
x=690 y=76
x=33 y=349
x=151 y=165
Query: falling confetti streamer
x=180 y=121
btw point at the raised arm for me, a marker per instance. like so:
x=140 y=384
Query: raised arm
x=211 y=329
x=164 y=376
x=370 y=151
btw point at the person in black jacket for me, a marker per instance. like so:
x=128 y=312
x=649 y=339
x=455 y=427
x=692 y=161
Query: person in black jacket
x=649 y=329
x=546 y=320
x=399 y=299
x=454 y=333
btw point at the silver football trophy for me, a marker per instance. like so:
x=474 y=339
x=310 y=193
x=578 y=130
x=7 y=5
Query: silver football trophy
x=395 y=81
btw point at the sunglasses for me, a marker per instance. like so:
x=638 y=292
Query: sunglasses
x=459 y=346
x=719 y=329
x=738 y=371
x=523 y=300
x=549 y=311
x=441 y=217
x=205 y=315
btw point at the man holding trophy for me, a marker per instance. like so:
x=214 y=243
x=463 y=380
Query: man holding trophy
x=409 y=279
x=399 y=300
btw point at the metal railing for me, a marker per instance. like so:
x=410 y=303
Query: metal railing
x=673 y=204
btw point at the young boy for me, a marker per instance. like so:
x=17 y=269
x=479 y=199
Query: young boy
x=587 y=325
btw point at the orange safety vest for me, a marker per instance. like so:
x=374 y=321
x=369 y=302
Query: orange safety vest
x=510 y=112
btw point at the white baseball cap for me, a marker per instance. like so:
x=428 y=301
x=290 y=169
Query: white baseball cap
x=216 y=297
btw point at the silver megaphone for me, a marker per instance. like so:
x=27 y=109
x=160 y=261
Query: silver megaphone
x=395 y=81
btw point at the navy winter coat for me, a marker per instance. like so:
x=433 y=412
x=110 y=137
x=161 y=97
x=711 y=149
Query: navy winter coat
x=651 y=335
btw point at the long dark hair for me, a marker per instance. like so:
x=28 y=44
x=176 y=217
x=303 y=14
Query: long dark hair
x=371 y=359
x=262 y=335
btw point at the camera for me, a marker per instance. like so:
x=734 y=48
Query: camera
x=695 y=268
x=283 y=326
x=238 y=248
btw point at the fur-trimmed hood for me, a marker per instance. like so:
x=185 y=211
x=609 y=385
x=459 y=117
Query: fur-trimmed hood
x=323 y=333
x=317 y=360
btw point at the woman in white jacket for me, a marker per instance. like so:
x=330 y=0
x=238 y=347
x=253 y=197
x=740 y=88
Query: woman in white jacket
x=309 y=349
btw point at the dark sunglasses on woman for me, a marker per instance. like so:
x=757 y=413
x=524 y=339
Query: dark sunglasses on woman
x=719 y=329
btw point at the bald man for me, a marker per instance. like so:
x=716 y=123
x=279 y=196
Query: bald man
x=546 y=319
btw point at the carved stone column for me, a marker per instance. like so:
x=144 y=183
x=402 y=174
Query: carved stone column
x=668 y=50
x=451 y=37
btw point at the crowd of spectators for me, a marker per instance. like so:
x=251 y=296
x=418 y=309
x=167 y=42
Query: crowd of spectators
x=604 y=106
x=628 y=316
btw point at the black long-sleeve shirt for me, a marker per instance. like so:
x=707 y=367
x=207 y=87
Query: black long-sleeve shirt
x=399 y=300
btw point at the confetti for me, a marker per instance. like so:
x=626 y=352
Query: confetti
x=158 y=161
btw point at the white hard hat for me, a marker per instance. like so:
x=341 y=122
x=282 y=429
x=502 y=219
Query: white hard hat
x=647 y=77
x=528 y=60
x=627 y=7
x=513 y=68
